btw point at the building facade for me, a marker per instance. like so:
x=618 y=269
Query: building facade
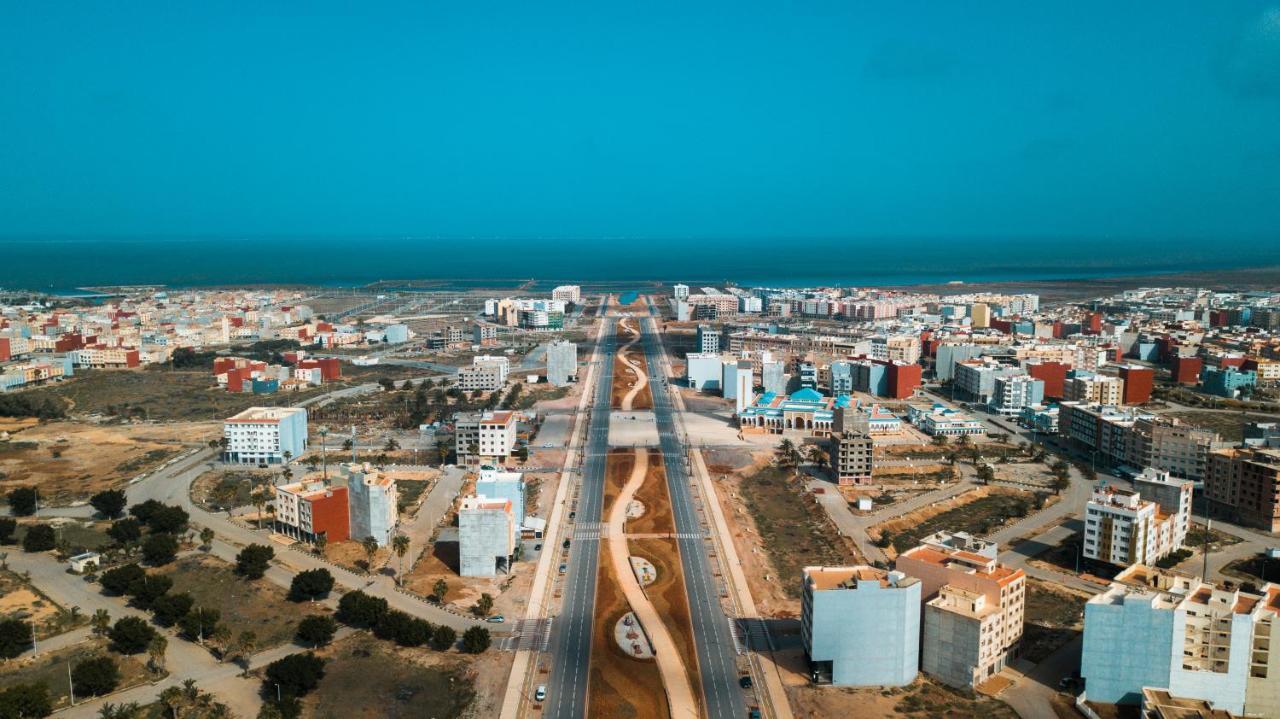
x=486 y=536
x=860 y=625
x=265 y=435
x=562 y=363
x=373 y=503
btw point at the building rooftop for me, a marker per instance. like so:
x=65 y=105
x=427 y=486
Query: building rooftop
x=1160 y=704
x=266 y=414
x=833 y=578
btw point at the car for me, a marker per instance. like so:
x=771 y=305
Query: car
x=563 y=567
x=566 y=544
x=753 y=713
x=540 y=693
x=744 y=681
x=496 y=619
x=537 y=547
x=572 y=515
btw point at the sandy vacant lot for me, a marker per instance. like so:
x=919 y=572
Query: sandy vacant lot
x=73 y=460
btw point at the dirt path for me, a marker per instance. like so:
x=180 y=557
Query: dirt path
x=675 y=676
x=641 y=377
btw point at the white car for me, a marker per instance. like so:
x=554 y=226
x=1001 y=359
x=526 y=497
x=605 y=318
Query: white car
x=540 y=693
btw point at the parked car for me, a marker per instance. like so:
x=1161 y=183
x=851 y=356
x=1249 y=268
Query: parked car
x=496 y=619
x=566 y=544
x=563 y=567
x=745 y=681
x=541 y=693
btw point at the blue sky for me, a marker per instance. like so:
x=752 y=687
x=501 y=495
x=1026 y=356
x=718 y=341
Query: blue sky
x=717 y=120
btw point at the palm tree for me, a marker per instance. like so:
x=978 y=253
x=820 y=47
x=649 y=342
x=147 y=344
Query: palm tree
x=101 y=621
x=259 y=498
x=962 y=440
x=400 y=543
x=439 y=589
x=939 y=440
x=321 y=542
x=246 y=645
x=189 y=690
x=370 y=546
x=156 y=650
x=222 y=636
x=817 y=456
x=173 y=698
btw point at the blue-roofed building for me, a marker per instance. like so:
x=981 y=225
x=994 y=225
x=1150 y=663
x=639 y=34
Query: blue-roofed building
x=1227 y=381
x=809 y=411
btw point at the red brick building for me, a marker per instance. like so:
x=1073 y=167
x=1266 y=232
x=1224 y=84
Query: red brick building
x=1053 y=374
x=904 y=378
x=1138 y=382
x=1186 y=370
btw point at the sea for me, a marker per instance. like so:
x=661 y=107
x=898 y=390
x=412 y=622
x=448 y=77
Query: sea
x=61 y=265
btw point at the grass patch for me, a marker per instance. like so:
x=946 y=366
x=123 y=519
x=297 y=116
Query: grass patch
x=979 y=517
x=1256 y=569
x=1198 y=536
x=367 y=678
x=792 y=529
x=220 y=490
x=137 y=464
x=50 y=669
x=258 y=606
x=410 y=490
x=20 y=597
x=160 y=394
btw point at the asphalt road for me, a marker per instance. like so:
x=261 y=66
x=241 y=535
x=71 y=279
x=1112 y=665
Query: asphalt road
x=711 y=631
x=571 y=630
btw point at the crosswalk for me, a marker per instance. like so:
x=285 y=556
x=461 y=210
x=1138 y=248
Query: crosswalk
x=591 y=530
x=751 y=634
x=531 y=635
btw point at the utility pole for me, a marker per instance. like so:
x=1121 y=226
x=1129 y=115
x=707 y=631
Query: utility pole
x=71 y=686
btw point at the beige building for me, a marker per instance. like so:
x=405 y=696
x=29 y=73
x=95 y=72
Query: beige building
x=485 y=437
x=980 y=312
x=975 y=607
x=1095 y=389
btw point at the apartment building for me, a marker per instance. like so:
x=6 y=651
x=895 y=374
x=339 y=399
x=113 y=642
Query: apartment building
x=484 y=335
x=1161 y=629
x=571 y=294
x=99 y=357
x=372 y=502
x=896 y=348
x=1094 y=389
x=1244 y=483
x=307 y=510
x=1131 y=437
x=487 y=372
x=1123 y=528
x=773 y=376
x=976 y=606
x=713 y=306
x=1013 y=392
x=485 y=436
x=562 y=363
x=861 y=625
x=1138 y=383
x=703 y=371
x=851 y=434
x=976 y=379
x=707 y=339
x=486 y=536
x=265 y=435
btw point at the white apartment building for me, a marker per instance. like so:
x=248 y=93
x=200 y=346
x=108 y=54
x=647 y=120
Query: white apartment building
x=568 y=293
x=492 y=434
x=486 y=536
x=487 y=372
x=1124 y=528
x=263 y=435
x=1166 y=630
x=1011 y=393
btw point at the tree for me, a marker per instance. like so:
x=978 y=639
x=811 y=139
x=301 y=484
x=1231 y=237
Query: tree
x=148 y=588
x=172 y=520
x=171 y=608
x=7 y=527
x=110 y=503
x=39 y=538
x=386 y=383
x=22 y=501
x=259 y=499
x=200 y=624
x=101 y=622
x=245 y=646
x=26 y=700
x=370 y=547
x=206 y=537
x=483 y=605
x=321 y=542
x=400 y=543
x=125 y=531
x=15 y=637
x=311 y=585
x=391 y=445
x=142 y=511
x=131 y=635
x=96 y=676
x=118 y=580
x=173 y=698
x=156 y=649
x=787 y=456
x=817 y=456
x=939 y=440
x=317 y=630
x=360 y=610
x=159 y=549
x=296 y=674
x=475 y=640
x=443 y=637
x=253 y=560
